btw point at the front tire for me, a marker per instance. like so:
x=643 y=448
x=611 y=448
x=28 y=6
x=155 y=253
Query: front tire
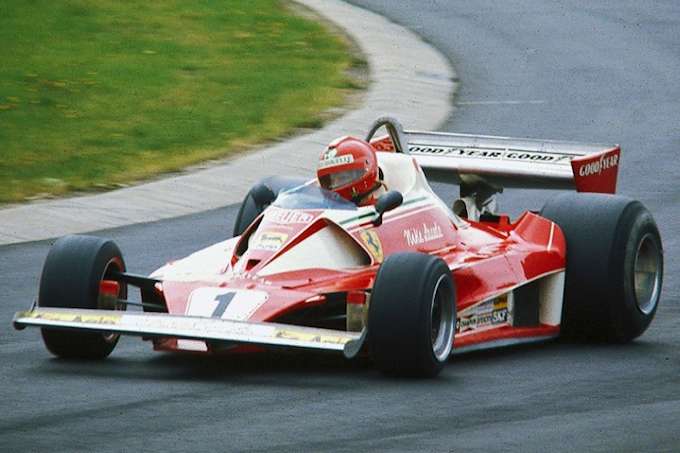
x=412 y=314
x=73 y=269
x=614 y=265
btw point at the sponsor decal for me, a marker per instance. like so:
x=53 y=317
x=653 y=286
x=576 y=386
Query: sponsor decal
x=270 y=241
x=225 y=303
x=372 y=242
x=490 y=313
x=73 y=317
x=597 y=167
x=329 y=159
x=522 y=156
x=329 y=154
x=310 y=337
x=287 y=216
x=424 y=233
x=192 y=345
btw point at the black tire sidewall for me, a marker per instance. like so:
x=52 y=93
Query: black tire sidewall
x=602 y=234
x=635 y=223
x=400 y=322
x=70 y=278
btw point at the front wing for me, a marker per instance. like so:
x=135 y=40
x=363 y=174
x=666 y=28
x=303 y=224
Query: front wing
x=193 y=328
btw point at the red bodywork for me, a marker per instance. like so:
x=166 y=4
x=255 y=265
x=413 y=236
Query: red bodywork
x=488 y=259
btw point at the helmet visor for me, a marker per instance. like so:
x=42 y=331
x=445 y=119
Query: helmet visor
x=333 y=181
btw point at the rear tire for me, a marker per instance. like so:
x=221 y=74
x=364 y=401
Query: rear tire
x=70 y=279
x=250 y=209
x=412 y=315
x=614 y=265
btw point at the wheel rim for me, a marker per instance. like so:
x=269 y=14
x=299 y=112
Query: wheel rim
x=441 y=317
x=117 y=265
x=646 y=274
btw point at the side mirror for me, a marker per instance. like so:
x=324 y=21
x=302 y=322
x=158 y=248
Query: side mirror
x=387 y=202
x=262 y=195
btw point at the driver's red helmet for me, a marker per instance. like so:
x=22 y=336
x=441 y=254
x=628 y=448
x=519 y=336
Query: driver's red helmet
x=348 y=167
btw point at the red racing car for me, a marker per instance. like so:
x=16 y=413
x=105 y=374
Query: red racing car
x=366 y=259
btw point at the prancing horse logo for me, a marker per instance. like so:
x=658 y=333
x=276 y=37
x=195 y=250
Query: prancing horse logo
x=372 y=242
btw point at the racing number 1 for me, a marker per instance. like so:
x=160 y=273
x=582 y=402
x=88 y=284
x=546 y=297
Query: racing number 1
x=223 y=301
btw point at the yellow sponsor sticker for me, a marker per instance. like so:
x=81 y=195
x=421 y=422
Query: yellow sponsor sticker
x=372 y=242
x=310 y=337
x=270 y=241
x=501 y=302
x=72 y=317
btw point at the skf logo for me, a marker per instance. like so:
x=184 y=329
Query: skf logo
x=372 y=241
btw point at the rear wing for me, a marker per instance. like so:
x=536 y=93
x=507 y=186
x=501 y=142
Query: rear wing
x=503 y=161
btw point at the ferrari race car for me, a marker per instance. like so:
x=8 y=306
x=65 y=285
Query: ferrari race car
x=406 y=280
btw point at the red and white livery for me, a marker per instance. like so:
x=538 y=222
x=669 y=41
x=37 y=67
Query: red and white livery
x=408 y=279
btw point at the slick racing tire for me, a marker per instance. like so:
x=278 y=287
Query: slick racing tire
x=251 y=207
x=73 y=269
x=412 y=315
x=614 y=265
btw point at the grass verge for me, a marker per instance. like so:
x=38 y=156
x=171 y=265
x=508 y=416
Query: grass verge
x=98 y=93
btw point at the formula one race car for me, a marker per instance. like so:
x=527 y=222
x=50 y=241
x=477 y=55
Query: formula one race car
x=400 y=277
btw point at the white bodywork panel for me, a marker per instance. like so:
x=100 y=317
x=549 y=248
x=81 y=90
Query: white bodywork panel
x=551 y=295
x=225 y=303
x=411 y=182
x=328 y=248
x=206 y=264
x=399 y=172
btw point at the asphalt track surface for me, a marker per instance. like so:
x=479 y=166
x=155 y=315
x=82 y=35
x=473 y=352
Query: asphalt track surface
x=604 y=72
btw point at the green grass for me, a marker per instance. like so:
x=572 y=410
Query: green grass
x=103 y=92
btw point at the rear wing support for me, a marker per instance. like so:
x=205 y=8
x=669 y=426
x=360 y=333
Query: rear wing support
x=483 y=165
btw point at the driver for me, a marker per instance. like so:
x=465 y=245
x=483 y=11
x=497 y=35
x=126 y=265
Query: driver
x=349 y=167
